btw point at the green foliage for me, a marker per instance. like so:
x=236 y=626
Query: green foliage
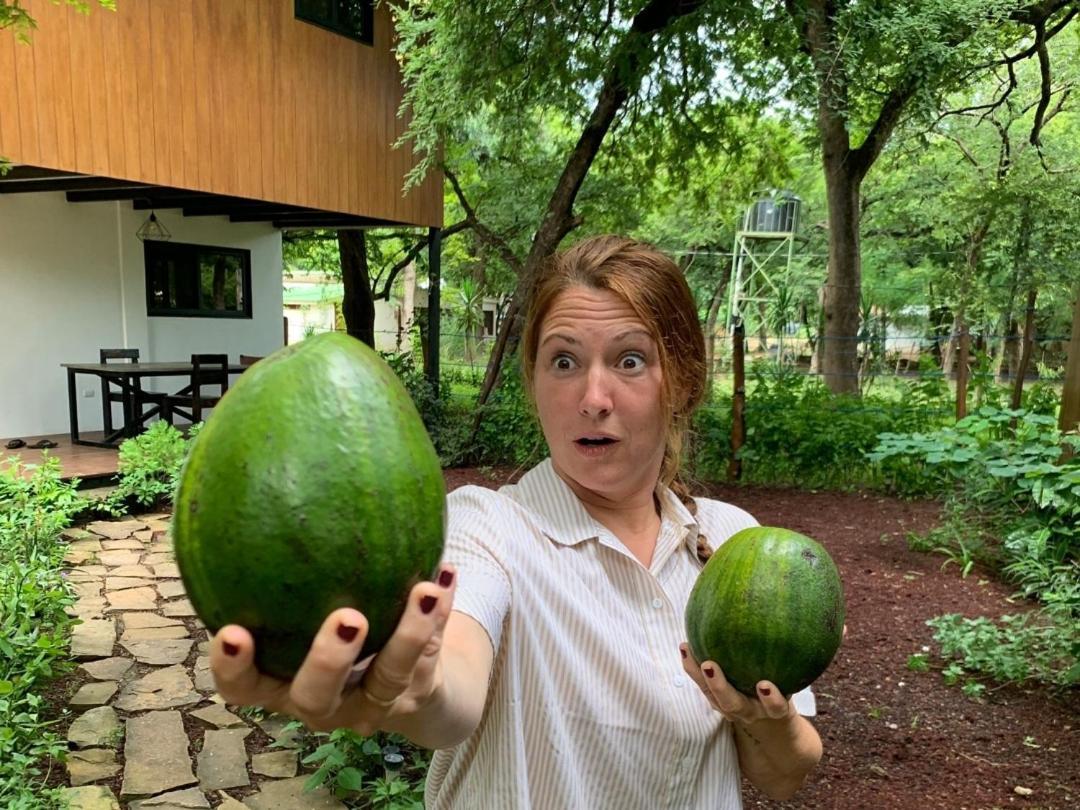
x=1013 y=498
x=799 y=433
x=149 y=466
x=34 y=627
x=509 y=432
x=18 y=19
x=381 y=772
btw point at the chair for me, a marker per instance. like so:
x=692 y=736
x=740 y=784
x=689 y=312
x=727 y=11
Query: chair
x=133 y=404
x=249 y=359
x=206 y=370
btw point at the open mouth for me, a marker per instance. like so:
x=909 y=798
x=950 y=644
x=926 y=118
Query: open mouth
x=599 y=441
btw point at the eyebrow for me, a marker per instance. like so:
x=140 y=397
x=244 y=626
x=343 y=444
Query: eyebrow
x=629 y=333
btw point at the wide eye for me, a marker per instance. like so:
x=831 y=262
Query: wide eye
x=562 y=362
x=632 y=361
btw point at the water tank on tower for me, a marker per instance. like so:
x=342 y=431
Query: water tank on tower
x=777 y=213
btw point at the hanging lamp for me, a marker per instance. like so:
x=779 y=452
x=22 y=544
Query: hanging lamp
x=153 y=229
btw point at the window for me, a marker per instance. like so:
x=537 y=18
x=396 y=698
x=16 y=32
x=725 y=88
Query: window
x=352 y=18
x=199 y=281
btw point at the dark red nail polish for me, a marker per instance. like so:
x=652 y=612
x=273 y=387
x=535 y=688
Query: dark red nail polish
x=683 y=651
x=709 y=671
x=230 y=649
x=427 y=604
x=766 y=691
x=446 y=578
x=347 y=633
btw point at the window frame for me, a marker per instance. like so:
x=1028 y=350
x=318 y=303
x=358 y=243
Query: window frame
x=367 y=17
x=153 y=248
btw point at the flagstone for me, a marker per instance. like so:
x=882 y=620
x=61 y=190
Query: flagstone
x=79 y=556
x=91 y=543
x=123 y=583
x=132 y=599
x=132 y=571
x=156 y=755
x=222 y=762
x=93 y=570
x=115 y=558
x=279 y=764
x=275 y=727
x=154 y=633
x=144 y=535
x=108 y=669
x=160 y=652
x=167 y=570
x=94 y=694
x=80 y=574
x=91 y=797
x=96 y=728
x=86 y=590
x=94 y=638
x=228 y=802
x=178 y=607
x=174 y=800
x=86 y=608
x=137 y=619
x=288 y=794
x=217 y=715
x=130 y=544
x=204 y=677
x=90 y=765
x=116 y=529
x=161 y=689
x=170 y=588
x=159 y=558
x=76 y=534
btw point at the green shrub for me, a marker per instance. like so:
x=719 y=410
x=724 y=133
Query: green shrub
x=34 y=626
x=148 y=467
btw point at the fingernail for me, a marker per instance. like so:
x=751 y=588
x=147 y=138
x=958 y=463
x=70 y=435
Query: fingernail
x=683 y=651
x=766 y=691
x=230 y=649
x=709 y=671
x=446 y=578
x=427 y=604
x=346 y=632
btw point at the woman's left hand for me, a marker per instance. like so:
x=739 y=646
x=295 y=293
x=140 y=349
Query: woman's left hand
x=769 y=704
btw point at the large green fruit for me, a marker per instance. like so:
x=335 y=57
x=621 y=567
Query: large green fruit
x=769 y=605
x=312 y=486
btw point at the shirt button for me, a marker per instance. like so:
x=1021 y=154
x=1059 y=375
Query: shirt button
x=657 y=603
x=678 y=681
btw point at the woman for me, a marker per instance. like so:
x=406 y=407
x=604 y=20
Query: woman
x=546 y=662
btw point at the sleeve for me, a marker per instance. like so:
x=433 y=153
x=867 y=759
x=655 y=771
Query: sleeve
x=719 y=521
x=476 y=545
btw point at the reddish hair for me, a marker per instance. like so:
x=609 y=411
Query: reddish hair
x=654 y=287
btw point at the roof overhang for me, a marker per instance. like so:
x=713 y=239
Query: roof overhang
x=90 y=188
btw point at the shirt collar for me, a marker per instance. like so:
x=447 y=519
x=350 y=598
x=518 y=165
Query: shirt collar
x=563 y=518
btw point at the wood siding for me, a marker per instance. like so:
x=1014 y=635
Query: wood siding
x=233 y=97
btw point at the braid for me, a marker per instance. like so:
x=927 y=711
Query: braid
x=682 y=492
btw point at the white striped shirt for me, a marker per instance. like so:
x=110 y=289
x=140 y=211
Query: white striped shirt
x=588 y=705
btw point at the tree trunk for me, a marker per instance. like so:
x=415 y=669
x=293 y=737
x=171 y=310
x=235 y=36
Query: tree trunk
x=840 y=356
x=710 y=321
x=357 y=303
x=627 y=64
x=948 y=352
x=1070 y=393
x=1025 y=357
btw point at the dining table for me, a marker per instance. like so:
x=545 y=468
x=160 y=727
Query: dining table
x=128 y=377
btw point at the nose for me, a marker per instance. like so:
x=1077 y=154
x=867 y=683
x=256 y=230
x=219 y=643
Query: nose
x=596 y=398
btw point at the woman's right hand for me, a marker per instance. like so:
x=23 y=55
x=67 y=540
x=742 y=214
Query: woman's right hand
x=327 y=692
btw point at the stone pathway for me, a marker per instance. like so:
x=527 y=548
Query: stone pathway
x=149 y=729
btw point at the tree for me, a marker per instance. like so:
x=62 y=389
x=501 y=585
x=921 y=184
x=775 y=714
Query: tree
x=864 y=67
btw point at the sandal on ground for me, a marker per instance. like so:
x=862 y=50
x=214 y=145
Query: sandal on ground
x=42 y=444
x=15 y=444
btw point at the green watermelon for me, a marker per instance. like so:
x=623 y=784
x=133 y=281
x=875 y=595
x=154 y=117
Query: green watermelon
x=768 y=605
x=312 y=486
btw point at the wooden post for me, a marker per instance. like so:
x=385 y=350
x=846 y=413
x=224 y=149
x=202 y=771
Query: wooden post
x=431 y=359
x=1025 y=350
x=738 y=399
x=1070 y=393
x=962 y=371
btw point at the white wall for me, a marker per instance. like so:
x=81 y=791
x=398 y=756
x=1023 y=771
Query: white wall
x=72 y=280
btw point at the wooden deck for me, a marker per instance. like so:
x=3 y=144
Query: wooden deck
x=92 y=465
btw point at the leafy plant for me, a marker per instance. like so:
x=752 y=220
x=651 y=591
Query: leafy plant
x=382 y=772
x=149 y=466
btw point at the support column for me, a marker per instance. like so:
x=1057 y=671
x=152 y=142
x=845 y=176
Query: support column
x=434 y=273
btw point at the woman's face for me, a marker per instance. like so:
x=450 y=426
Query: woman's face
x=598 y=394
